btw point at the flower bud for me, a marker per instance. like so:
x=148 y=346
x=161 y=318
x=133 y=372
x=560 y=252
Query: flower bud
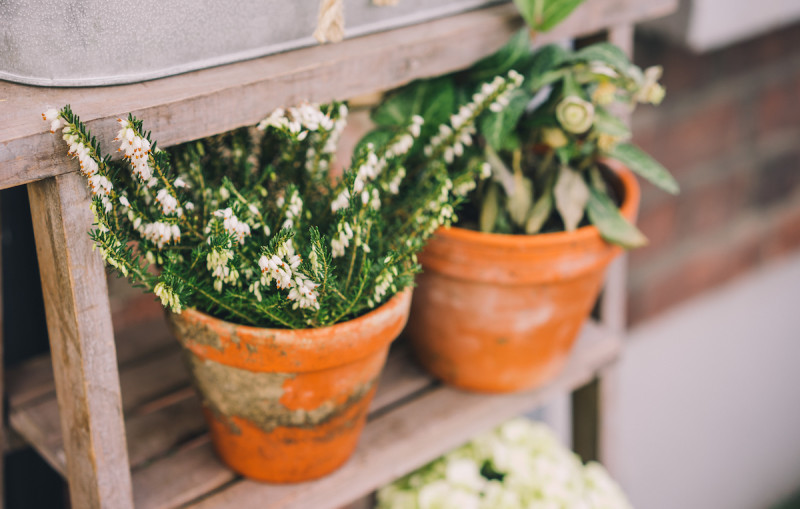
x=574 y=114
x=554 y=137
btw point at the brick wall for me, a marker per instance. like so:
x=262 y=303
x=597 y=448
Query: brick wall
x=729 y=130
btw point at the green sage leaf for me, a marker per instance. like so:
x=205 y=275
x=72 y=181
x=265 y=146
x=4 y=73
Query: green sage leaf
x=606 y=122
x=499 y=129
x=639 y=162
x=540 y=212
x=433 y=100
x=571 y=194
x=613 y=226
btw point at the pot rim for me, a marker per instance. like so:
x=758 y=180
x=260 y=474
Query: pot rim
x=337 y=327
x=628 y=209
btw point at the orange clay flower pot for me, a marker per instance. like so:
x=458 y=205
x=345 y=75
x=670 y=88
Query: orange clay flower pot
x=288 y=405
x=500 y=313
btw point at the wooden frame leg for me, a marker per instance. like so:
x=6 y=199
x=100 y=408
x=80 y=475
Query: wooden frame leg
x=82 y=344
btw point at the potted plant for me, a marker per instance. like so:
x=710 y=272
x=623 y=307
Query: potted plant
x=520 y=464
x=284 y=285
x=505 y=292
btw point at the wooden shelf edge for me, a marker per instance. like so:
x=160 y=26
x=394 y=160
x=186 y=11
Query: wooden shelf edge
x=207 y=102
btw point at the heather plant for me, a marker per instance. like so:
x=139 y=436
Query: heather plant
x=251 y=226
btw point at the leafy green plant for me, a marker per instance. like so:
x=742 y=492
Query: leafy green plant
x=543 y=15
x=546 y=145
x=220 y=224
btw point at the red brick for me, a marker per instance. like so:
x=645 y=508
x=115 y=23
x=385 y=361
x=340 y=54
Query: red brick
x=784 y=235
x=704 y=133
x=698 y=272
x=713 y=204
x=778 y=178
x=779 y=106
x=659 y=222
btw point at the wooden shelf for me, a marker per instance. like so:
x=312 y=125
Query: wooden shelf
x=211 y=101
x=413 y=419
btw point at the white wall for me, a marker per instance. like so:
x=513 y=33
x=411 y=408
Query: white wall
x=709 y=403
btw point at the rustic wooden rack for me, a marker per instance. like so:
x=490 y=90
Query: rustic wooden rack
x=118 y=418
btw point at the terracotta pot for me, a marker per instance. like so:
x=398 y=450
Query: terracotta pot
x=500 y=313
x=288 y=405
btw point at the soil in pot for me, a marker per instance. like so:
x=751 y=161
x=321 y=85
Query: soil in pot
x=500 y=313
x=288 y=405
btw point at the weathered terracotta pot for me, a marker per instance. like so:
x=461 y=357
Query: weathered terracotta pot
x=288 y=405
x=500 y=313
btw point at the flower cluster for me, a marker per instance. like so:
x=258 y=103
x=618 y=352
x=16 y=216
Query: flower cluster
x=454 y=137
x=136 y=148
x=519 y=465
x=250 y=226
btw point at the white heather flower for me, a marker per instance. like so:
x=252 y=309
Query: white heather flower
x=341 y=240
x=304 y=293
x=341 y=202
x=168 y=297
x=217 y=263
x=189 y=206
x=169 y=204
x=56 y=124
x=238 y=229
x=486 y=170
x=124 y=202
x=50 y=115
x=394 y=185
x=159 y=233
x=179 y=182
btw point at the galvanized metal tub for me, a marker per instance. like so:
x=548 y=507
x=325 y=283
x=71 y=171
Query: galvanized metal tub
x=101 y=42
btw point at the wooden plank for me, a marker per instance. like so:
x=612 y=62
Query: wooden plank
x=82 y=343
x=207 y=102
x=33 y=379
x=413 y=434
x=401 y=378
x=163 y=412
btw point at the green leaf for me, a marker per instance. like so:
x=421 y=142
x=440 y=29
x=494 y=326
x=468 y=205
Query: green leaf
x=639 y=162
x=490 y=208
x=433 y=100
x=510 y=56
x=555 y=11
x=606 y=122
x=378 y=137
x=571 y=194
x=543 y=64
x=613 y=227
x=499 y=128
x=606 y=53
x=543 y=15
x=539 y=213
x=519 y=202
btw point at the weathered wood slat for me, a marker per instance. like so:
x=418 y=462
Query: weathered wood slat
x=413 y=434
x=207 y=102
x=33 y=379
x=82 y=343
